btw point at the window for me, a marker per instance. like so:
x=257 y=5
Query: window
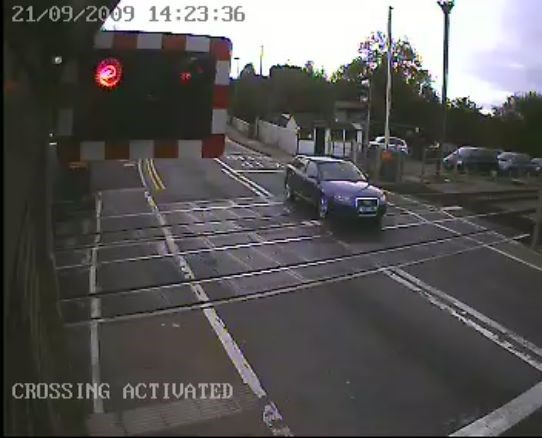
x=397 y=141
x=351 y=135
x=341 y=171
x=312 y=170
x=299 y=163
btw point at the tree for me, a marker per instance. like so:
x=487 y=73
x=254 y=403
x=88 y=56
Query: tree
x=406 y=62
x=248 y=71
x=465 y=104
x=414 y=101
x=518 y=119
x=312 y=72
x=249 y=97
x=294 y=89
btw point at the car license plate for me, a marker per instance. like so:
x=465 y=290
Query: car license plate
x=363 y=209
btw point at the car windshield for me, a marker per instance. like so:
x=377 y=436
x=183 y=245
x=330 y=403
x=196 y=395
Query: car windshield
x=479 y=153
x=511 y=156
x=341 y=171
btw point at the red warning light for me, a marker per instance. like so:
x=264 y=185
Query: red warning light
x=186 y=77
x=109 y=73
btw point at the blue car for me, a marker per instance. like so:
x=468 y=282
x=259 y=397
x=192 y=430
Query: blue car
x=334 y=187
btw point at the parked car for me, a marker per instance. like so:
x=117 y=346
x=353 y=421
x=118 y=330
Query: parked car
x=536 y=167
x=471 y=158
x=514 y=163
x=334 y=187
x=395 y=143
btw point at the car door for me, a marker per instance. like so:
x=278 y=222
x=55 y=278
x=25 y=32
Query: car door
x=294 y=175
x=311 y=184
x=451 y=160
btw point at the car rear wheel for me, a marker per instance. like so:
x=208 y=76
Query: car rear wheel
x=288 y=192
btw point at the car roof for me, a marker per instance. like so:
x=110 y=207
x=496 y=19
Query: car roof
x=514 y=154
x=321 y=159
x=326 y=160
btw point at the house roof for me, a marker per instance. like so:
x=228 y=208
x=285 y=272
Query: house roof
x=343 y=125
x=277 y=119
x=309 y=120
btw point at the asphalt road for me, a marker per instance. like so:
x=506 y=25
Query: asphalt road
x=199 y=272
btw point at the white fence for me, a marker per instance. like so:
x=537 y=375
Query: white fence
x=242 y=126
x=339 y=149
x=284 y=138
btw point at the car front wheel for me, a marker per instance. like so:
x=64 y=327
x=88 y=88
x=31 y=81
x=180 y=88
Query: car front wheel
x=323 y=208
x=288 y=192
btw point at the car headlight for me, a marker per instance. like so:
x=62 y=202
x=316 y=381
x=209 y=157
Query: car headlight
x=382 y=197
x=342 y=198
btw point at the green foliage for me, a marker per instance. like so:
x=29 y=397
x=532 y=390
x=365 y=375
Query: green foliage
x=515 y=125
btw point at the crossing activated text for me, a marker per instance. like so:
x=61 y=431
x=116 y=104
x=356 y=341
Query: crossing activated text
x=129 y=391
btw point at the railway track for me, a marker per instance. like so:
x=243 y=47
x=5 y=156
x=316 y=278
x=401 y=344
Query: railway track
x=513 y=209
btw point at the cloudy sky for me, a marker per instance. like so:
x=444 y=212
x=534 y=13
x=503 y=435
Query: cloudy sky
x=494 y=44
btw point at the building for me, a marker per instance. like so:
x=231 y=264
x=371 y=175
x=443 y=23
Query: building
x=350 y=111
x=310 y=133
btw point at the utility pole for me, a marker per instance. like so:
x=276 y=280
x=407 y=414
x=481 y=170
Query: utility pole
x=368 y=123
x=446 y=6
x=261 y=60
x=388 y=81
x=388 y=94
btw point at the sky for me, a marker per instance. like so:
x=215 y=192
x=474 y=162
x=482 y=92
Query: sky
x=494 y=44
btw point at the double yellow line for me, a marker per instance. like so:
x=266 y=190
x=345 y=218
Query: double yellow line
x=155 y=178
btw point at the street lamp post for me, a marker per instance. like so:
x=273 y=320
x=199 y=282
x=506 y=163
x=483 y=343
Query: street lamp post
x=368 y=83
x=446 y=6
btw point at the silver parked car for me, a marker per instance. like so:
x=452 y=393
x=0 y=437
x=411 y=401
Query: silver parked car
x=395 y=143
x=514 y=163
x=536 y=167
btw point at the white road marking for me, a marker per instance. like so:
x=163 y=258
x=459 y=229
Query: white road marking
x=496 y=333
x=95 y=311
x=259 y=295
x=256 y=188
x=292 y=273
x=452 y=208
x=211 y=246
x=286 y=224
x=140 y=241
x=162 y=252
x=140 y=170
x=275 y=422
x=492 y=248
x=465 y=309
x=194 y=209
x=490 y=329
x=242 y=180
x=507 y=416
x=303 y=265
x=246 y=149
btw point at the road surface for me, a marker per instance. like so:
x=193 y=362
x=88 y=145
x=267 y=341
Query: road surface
x=198 y=272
